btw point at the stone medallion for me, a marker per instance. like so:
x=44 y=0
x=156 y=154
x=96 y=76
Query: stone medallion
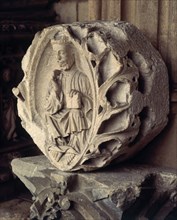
x=92 y=93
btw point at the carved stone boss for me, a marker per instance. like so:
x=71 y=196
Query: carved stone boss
x=92 y=93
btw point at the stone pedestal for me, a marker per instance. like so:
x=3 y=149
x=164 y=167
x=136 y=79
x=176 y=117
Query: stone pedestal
x=129 y=192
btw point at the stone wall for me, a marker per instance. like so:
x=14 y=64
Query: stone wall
x=157 y=19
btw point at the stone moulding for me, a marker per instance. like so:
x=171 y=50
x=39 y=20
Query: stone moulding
x=92 y=93
x=123 y=193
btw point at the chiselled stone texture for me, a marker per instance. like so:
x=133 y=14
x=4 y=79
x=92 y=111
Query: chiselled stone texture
x=92 y=93
x=117 y=193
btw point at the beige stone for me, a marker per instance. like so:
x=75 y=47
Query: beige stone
x=92 y=93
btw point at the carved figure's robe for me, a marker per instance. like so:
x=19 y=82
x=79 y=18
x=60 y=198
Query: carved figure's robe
x=66 y=114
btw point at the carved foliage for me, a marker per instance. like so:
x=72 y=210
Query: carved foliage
x=49 y=203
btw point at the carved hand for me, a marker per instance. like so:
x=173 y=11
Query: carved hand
x=73 y=92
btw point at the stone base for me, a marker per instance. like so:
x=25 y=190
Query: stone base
x=129 y=192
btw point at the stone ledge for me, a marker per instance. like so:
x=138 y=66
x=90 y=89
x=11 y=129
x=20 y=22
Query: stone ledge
x=129 y=192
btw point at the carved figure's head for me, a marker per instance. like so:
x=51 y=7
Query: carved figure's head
x=65 y=52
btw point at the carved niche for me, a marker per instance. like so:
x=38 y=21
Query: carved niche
x=92 y=93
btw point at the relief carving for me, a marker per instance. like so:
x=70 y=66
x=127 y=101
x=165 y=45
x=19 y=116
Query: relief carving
x=92 y=93
x=68 y=103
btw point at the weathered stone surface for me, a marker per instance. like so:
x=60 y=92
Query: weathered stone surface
x=92 y=93
x=128 y=192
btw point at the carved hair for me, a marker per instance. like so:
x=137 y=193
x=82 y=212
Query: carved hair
x=61 y=42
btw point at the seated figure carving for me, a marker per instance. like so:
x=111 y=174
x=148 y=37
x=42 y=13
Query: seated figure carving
x=68 y=102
